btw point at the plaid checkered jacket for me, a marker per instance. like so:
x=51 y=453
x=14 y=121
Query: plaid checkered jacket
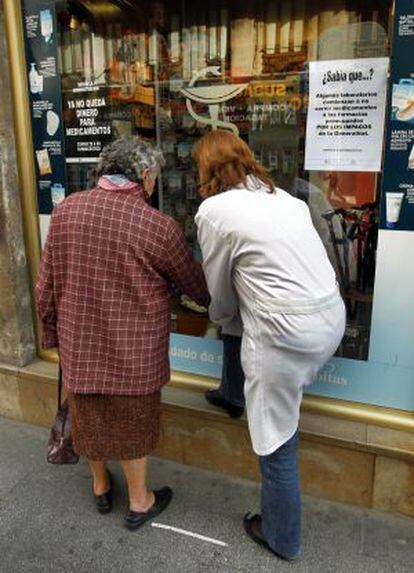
x=104 y=289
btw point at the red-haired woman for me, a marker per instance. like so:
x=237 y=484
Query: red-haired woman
x=264 y=261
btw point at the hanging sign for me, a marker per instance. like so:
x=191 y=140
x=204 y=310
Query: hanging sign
x=346 y=112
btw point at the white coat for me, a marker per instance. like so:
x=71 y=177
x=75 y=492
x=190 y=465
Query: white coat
x=263 y=258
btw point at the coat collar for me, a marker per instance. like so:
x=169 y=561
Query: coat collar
x=121 y=184
x=252 y=183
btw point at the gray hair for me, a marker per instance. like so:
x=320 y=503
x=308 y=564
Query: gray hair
x=129 y=156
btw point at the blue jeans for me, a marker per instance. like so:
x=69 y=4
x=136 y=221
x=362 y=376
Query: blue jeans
x=280 y=496
x=281 y=505
x=232 y=376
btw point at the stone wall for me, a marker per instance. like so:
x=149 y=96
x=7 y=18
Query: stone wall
x=16 y=320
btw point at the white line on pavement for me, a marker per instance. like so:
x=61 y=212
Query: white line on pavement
x=190 y=534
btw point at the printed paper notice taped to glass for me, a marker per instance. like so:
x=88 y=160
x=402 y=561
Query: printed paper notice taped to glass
x=345 y=122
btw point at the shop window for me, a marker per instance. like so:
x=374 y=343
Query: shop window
x=171 y=71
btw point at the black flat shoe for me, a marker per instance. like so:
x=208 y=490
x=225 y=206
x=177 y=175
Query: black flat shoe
x=253 y=527
x=136 y=519
x=215 y=398
x=104 y=501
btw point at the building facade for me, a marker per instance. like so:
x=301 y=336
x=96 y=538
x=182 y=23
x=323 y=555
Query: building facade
x=323 y=93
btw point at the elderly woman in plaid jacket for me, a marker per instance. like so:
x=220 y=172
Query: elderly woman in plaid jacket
x=104 y=300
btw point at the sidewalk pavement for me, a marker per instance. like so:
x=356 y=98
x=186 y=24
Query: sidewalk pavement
x=48 y=523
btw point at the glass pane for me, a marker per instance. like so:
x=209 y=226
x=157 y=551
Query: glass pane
x=173 y=70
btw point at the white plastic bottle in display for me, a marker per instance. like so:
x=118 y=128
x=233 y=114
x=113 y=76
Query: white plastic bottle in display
x=394 y=203
x=35 y=80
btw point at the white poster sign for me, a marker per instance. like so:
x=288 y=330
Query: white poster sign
x=346 y=113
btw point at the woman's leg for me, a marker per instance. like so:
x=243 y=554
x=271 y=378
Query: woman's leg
x=140 y=499
x=100 y=476
x=281 y=505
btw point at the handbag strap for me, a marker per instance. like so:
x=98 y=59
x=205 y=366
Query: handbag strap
x=60 y=384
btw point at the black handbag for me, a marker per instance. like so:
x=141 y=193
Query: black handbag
x=60 y=446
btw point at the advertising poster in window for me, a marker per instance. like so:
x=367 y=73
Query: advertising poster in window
x=40 y=28
x=346 y=114
x=87 y=126
x=397 y=212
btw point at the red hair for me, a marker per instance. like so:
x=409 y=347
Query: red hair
x=224 y=161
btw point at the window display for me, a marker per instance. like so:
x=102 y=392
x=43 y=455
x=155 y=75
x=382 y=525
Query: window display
x=171 y=71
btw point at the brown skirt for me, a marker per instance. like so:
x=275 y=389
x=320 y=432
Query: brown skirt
x=106 y=427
